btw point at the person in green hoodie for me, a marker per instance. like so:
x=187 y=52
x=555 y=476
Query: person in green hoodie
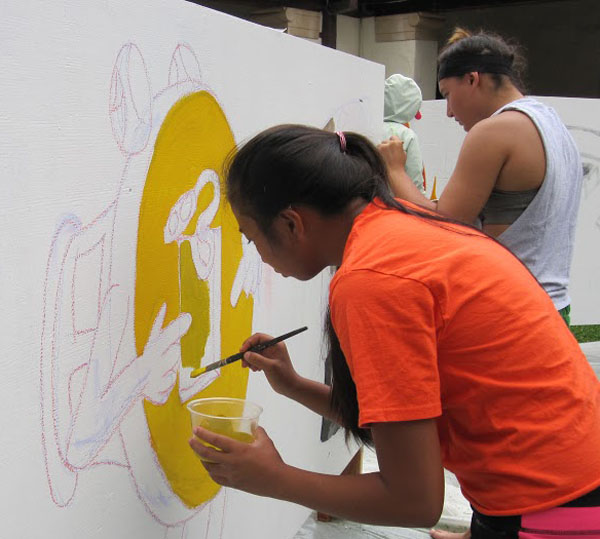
x=402 y=101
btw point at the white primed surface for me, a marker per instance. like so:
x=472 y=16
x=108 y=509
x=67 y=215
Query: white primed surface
x=75 y=159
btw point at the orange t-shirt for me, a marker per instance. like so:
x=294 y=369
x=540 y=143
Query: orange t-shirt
x=447 y=325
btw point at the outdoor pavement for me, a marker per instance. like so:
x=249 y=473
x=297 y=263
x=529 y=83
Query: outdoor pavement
x=592 y=352
x=456 y=515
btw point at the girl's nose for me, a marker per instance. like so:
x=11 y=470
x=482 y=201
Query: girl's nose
x=449 y=112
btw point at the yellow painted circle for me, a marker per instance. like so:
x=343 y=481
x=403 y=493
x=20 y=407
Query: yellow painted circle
x=195 y=136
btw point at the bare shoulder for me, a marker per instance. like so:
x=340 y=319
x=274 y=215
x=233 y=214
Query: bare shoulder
x=488 y=135
x=503 y=130
x=499 y=124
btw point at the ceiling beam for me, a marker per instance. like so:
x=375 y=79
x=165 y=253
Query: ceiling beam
x=356 y=8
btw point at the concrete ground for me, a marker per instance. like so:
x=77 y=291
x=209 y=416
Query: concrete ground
x=456 y=515
x=592 y=352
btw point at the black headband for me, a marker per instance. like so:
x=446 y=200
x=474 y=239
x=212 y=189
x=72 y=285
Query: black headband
x=459 y=64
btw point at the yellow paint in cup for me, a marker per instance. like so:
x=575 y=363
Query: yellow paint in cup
x=235 y=418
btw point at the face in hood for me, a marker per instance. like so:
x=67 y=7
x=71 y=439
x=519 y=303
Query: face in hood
x=402 y=99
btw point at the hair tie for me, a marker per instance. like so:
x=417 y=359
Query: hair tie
x=342 y=138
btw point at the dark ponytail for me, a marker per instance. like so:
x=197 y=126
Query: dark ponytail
x=301 y=165
x=344 y=402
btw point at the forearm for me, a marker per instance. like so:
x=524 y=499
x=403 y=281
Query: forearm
x=314 y=395
x=407 y=491
x=403 y=187
x=362 y=498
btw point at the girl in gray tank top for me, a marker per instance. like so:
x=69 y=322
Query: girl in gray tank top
x=518 y=174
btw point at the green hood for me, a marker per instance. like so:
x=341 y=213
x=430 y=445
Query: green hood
x=402 y=99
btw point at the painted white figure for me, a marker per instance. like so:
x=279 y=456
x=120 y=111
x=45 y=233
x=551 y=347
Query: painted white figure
x=248 y=276
x=93 y=383
x=206 y=248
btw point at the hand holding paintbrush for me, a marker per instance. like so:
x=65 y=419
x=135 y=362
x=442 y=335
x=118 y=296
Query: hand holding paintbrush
x=254 y=348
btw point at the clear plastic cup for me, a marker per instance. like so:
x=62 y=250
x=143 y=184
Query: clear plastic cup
x=235 y=418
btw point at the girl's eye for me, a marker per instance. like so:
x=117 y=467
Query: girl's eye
x=248 y=240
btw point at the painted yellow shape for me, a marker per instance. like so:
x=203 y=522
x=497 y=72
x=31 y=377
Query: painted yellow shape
x=194 y=298
x=433 y=195
x=194 y=136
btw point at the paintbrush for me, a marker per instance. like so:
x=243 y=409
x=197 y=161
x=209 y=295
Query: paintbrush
x=240 y=355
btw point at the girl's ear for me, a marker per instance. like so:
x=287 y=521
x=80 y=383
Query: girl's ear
x=290 y=224
x=473 y=78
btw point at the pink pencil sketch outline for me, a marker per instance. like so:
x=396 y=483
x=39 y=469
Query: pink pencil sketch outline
x=104 y=373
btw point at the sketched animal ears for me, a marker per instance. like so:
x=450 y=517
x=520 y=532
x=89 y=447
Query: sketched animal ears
x=130 y=105
x=330 y=125
x=184 y=65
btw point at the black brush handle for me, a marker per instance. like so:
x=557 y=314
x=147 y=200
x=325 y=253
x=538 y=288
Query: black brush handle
x=256 y=348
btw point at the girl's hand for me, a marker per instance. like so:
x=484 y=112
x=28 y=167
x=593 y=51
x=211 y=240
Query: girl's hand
x=273 y=361
x=254 y=467
x=393 y=153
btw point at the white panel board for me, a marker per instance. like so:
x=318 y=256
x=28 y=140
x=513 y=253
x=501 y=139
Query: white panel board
x=89 y=92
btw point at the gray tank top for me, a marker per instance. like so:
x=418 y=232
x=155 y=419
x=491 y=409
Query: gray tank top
x=505 y=207
x=543 y=235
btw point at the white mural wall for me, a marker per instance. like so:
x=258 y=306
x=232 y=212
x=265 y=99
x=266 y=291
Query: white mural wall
x=123 y=269
x=441 y=138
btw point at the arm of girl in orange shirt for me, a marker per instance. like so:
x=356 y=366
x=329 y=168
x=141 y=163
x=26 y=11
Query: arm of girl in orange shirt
x=276 y=364
x=407 y=491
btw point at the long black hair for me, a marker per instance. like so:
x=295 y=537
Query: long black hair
x=301 y=165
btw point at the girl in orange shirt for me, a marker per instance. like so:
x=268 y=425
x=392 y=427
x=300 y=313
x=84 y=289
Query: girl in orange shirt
x=446 y=352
